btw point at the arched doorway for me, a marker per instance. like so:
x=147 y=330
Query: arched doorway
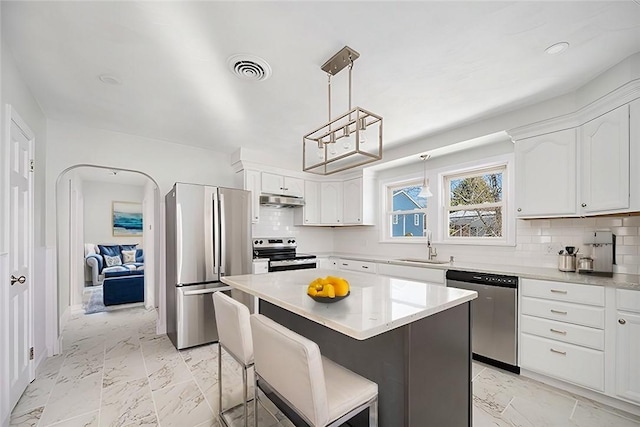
x=70 y=243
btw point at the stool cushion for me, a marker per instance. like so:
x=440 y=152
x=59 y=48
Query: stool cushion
x=234 y=327
x=291 y=364
x=346 y=390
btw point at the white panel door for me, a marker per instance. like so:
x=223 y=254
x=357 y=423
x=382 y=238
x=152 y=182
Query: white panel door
x=604 y=145
x=546 y=175
x=252 y=183
x=311 y=208
x=628 y=356
x=331 y=202
x=272 y=184
x=353 y=201
x=293 y=186
x=20 y=238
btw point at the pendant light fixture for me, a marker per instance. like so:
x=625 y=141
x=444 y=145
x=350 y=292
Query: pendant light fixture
x=357 y=133
x=425 y=191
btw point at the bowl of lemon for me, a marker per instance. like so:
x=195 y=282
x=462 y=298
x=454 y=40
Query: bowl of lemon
x=328 y=289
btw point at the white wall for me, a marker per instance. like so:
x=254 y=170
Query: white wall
x=149 y=244
x=166 y=162
x=98 y=198
x=14 y=92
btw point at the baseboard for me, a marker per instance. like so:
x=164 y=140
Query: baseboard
x=586 y=393
x=64 y=319
x=41 y=358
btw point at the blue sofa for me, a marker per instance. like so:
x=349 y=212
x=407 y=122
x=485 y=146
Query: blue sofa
x=95 y=259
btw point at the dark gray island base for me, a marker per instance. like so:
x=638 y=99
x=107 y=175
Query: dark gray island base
x=423 y=369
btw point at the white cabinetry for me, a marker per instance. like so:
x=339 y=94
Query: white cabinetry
x=309 y=214
x=331 y=203
x=279 y=184
x=562 y=331
x=433 y=276
x=628 y=344
x=604 y=148
x=354 y=265
x=546 y=174
x=352 y=205
x=250 y=180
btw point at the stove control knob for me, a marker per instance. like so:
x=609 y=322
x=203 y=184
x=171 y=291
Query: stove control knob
x=293 y=241
x=260 y=241
x=255 y=243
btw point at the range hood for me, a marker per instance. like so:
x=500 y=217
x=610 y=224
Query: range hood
x=278 y=201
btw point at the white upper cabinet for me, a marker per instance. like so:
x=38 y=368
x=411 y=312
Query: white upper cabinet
x=331 y=203
x=604 y=157
x=352 y=212
x=309 y=214
x=250 y=180
x=546 y=175
x=279 y=184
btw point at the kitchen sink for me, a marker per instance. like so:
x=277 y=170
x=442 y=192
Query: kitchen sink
x=424 y=261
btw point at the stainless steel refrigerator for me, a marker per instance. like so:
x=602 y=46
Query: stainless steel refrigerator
x=208 y=236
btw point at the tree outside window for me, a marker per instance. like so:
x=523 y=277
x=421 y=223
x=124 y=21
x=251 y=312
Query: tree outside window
x=475 y=205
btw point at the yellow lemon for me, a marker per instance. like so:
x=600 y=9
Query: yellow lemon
x=341 y=286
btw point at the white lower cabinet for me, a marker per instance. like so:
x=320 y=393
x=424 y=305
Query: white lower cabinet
x=354 y=265
x=628 y=345
x=579 y=365
x=561 y=339
x=428 y=275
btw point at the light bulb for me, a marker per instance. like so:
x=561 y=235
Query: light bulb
x=321 y=153
x=346 y=138
x=363 y=131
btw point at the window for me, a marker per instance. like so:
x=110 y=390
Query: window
x=474 y=205
x=406 y=212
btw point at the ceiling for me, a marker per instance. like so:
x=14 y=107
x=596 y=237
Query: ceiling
x=111 y=176
x=424 y=66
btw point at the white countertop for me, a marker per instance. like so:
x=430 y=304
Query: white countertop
x=376 y=304
x=620 y=281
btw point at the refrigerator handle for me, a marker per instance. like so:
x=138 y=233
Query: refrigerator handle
x=223 y=236
x=211 y=244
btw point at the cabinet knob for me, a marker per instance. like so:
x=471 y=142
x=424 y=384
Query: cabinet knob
x=622 y=321
x=519 y=209
x=584 y=205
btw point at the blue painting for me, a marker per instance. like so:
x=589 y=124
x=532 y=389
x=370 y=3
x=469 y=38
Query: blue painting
x=127 y=219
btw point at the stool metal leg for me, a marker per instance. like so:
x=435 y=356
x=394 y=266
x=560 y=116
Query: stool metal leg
x=255 y=399
x=220 y=381
x=245 y=395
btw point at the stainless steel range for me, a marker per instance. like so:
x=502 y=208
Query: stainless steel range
x=281 y=253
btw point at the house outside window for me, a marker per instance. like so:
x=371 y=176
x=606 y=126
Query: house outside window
x=475 y=205
x=406 y=212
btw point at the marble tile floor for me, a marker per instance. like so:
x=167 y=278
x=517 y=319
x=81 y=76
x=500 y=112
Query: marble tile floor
x=115 y=371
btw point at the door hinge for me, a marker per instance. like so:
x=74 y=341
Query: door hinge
x=31 y=353
x=32 y=165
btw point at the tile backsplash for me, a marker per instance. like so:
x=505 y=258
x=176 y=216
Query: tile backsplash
x=542 y=236
x=537 y=241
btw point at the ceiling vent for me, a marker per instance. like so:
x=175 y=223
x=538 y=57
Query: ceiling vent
x=249 y=67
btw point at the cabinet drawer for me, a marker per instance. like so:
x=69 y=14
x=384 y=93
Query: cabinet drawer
x=365 y=266
x=428 y=275
x=628 y=300
x=564 y=312
x=579 y=365
x=561 y=291
x=574 y=334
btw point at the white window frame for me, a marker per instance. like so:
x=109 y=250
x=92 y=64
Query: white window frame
x=508 y=213
x=387 y=214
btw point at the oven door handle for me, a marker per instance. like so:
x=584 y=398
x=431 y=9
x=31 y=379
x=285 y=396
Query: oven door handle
x=285 y=262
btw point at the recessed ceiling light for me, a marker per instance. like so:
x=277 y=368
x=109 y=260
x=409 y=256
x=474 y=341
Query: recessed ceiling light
x=109 y=79
x=249 y=67
x=557 y=48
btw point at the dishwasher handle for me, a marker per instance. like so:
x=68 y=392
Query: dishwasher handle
x=206 y=291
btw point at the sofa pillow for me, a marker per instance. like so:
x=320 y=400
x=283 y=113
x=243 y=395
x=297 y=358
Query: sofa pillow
x=128 y=256
x=111 y=261
x=111 y=250
x=128 y=247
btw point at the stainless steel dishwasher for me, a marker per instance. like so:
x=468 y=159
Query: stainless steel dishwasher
x=494 y=314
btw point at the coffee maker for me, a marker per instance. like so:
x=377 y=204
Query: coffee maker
x=603 y=254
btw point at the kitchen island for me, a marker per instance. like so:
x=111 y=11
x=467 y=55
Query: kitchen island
x=411 y=338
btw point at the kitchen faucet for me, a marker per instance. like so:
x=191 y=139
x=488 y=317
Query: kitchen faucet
x=432 y=252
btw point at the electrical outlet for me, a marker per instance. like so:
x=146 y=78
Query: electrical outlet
x=549 y=248
x=553 y=248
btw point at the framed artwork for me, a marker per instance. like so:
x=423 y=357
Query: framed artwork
x=126 y=218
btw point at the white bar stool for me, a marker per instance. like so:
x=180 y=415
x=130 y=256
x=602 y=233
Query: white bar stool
x=319 y=390
x=234 y=335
